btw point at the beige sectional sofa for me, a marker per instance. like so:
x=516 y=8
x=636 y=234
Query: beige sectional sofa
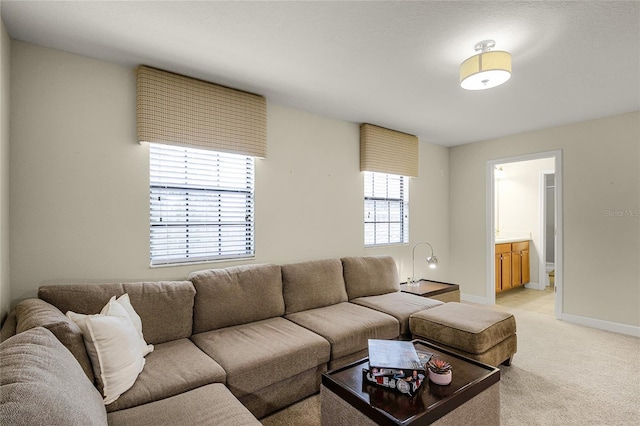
x=230 y=345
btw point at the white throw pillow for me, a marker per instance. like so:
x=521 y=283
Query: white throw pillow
x=113 y=345
x=114 y=308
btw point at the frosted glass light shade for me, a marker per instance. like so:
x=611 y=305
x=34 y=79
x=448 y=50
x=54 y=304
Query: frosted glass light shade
x=485 y=70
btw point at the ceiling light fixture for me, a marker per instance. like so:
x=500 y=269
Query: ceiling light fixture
x=487 y=69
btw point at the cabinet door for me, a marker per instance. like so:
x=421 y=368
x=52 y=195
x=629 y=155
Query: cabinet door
x=506 y=270
x=526 y=273
x=516 y=269
x=498 y=273
x=503 y=267
x=521 y=270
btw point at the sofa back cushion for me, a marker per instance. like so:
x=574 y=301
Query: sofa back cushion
x=236 y=295
x=165 y=308
x=32 y=313
x=370 y=276
x=313 y=284
x=42 y=384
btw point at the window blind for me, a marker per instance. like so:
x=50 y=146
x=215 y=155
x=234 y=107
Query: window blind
x=386 y=210
x=201 y=205
x=178 y=110
x=388 y=151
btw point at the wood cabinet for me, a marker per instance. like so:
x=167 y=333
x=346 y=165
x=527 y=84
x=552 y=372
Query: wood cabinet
x=512 y=268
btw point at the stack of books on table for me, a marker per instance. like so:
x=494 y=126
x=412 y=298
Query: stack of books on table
x=396 y=365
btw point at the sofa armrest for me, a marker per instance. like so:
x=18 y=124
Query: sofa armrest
x=42 y=384
x=32 y=313
x=8 y=326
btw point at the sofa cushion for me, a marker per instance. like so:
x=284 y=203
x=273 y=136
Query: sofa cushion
x=469 y=328
x=172 y=368
x=370 y=276
x=314 y=284
x=261 y=353
x=207 y=405
x=165 y=308
x=399 y=305
x=347 y=326
x=42 y=384
x=31 y=313
x=236 y=295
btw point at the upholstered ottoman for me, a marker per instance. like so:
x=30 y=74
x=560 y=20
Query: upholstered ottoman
x=482 y=334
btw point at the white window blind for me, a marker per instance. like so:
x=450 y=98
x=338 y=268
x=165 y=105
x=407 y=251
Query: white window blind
x=201 y=205
x=386 y=209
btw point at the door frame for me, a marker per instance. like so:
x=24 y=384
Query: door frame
x=542 y=270
x=490 y=224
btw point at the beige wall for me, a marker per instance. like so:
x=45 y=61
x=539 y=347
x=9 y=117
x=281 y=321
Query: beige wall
x=79 y=193
x=601 y=190
x=5 y=89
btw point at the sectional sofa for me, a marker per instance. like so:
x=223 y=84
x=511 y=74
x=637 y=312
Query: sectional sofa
x=230 y=345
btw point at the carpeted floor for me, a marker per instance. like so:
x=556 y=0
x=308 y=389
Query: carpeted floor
x=563 y=374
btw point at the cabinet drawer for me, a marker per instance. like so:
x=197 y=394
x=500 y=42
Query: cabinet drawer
x=503 y=248
x=524 y=245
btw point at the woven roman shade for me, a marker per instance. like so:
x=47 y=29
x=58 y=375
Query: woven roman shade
x=178 y=110
x=388 y=151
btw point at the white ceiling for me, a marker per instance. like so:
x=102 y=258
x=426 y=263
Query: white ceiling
x=390 y=63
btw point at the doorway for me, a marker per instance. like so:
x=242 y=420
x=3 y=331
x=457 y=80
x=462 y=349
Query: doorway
x=538 y=219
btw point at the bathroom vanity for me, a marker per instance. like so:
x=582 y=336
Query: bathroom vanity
x=512 y=264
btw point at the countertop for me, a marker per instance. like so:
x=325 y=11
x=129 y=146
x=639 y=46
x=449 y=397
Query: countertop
x=500 y=240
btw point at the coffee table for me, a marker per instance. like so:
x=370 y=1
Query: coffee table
x=473 y=397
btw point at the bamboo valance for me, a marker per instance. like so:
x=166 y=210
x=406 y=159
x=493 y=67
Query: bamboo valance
x=178 y=110
x=388 y=151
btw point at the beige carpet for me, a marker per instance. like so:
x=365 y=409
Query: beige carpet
x=563 y=374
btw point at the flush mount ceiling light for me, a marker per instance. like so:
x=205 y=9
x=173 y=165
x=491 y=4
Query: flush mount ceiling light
x=487 y=69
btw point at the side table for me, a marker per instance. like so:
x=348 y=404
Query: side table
x=445 y=292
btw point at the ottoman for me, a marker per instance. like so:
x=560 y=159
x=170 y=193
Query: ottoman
x=482 y=334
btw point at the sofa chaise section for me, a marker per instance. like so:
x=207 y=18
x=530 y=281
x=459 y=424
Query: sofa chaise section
x=212 y=405
x=373 y=282
x=176 y=365
x=270 y=362
x=316 y=298
x=42 y=384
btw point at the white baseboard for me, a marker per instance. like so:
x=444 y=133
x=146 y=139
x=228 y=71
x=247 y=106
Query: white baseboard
x=534 y=286
x=602 y=325
x=473 y=299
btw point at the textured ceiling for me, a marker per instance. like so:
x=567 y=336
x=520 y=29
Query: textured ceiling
x=390 y=63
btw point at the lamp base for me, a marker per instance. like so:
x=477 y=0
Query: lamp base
x=412 y=282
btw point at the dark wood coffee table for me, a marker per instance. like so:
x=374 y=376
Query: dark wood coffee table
x=473 y=397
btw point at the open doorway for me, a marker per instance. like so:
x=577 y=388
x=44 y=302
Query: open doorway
x=524 y=213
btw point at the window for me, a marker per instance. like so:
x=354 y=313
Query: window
x=386 y=209
x=201 y=205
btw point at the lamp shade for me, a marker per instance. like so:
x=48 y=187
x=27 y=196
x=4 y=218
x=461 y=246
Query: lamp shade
x=485 y=70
